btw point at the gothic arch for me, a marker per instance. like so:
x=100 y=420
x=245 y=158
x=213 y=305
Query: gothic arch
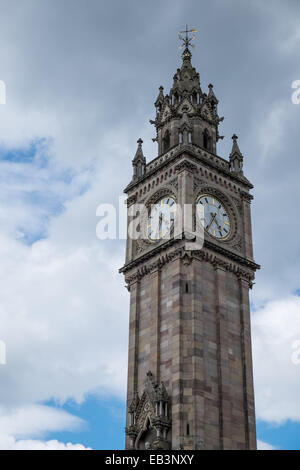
x=166 y=140
x=158 y=194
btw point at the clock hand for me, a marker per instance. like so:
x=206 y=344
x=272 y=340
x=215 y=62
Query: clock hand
x=160 y=223
x=156 y=227
x=213 y=216
x=216 y=222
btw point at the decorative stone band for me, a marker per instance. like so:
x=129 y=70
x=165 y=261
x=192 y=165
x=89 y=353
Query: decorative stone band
x=198 y=154
x=185 y=165
x=241 y=267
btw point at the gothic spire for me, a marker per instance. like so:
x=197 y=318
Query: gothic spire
x=186 y=115
x=235 y=148
x=160 y=99
x=236 y=156
x=139 y=161
x=211 y=94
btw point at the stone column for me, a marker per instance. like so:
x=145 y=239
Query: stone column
x=223 y=360
x=248 y=391
x=247 y=227
x=155 y=325
x=176 y=374
x=185 y=171
x=129 y=241
x=132 y=377
x=198 y=377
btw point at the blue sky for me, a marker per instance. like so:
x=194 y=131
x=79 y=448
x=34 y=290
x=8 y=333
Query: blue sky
x=104 y=428
x=81 y=82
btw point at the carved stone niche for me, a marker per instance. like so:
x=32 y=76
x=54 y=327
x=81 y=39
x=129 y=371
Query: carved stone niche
x=150 y=424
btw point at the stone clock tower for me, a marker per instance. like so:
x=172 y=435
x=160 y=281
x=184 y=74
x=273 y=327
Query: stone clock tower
x=190 y=381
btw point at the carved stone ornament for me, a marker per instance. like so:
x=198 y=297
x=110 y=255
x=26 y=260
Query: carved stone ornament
x=149 y=417
x=185 y=165
x=174 y=183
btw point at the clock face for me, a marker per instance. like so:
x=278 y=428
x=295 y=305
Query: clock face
x=161 y=218
x=216 y=220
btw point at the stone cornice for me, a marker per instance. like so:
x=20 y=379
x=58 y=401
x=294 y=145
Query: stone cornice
x=239 y=265
x=174 y=154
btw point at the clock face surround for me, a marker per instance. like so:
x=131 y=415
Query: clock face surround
x=216 y=219
x=161 y=218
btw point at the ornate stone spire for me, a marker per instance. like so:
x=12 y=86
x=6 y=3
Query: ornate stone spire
x=160 y=99
x=211 y=94
x=236 y=157
x=139 y=162
x=186 y=115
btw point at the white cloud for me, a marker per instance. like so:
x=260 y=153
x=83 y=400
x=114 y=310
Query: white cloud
x=275 y=327
x=64 y=321
x=9 y=443
x=64 y=317
x=264 y=446
x=272 y=129
x=35 y=421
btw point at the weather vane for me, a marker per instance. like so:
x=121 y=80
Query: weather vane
x=187 y=40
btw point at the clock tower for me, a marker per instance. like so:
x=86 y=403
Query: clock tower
x=190 y=379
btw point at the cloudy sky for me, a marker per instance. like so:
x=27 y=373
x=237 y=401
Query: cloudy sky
x=81 y=78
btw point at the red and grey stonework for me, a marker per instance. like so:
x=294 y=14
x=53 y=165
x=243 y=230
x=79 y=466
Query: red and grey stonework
x=190 y=381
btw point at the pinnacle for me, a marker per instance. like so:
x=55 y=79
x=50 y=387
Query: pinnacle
x=160 y=98
x=235 y=147
x=139 y=153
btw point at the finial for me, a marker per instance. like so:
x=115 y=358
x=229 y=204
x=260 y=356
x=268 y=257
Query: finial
x=236 y=157
x=187 y=39
x=235 y=148
x=139 y=153
x=210 y=86
x=139 y=162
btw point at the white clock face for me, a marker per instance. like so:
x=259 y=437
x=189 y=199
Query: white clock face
x=216 y=220
x=161 y=218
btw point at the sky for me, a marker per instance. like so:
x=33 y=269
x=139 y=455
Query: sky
x=81 y=79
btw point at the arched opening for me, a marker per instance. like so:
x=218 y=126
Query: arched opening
x=147 y=437
x=166 y=141
x=205 y=139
